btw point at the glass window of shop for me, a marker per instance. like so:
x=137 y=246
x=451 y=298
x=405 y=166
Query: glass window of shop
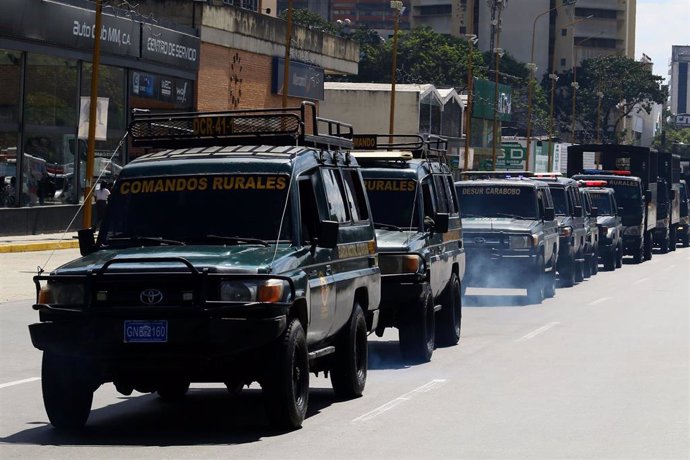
x=10 y=78
x=50 y=120
x=158 y=93
x=108 y=159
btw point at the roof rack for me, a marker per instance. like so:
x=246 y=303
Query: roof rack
x=276 y=126
x=431 y=147
x=475 y=175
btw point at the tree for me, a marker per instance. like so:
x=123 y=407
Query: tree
x=626 y=85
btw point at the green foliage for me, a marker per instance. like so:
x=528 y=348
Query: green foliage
x=626 y=85
x=310 y=20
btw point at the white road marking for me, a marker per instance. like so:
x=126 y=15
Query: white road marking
x=600 y=300
x=641 y=280
x=427 y=387
x=19 y=382
x=536 y=332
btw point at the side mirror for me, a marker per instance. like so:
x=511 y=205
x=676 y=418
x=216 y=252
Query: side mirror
x=549 y=214
x=87 y=241
x=578 y=211
x=441 y=222
x=328 y=233
x=595 y=211
x=648 y=196
x=620 y=210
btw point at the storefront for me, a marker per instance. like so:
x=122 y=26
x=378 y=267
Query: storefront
x=45 y=68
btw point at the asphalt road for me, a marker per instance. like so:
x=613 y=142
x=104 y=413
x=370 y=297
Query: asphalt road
x=600 y=371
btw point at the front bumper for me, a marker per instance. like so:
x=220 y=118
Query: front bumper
x=499 y=268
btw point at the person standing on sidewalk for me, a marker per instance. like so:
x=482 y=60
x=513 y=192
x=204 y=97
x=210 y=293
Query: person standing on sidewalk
x=102 y=193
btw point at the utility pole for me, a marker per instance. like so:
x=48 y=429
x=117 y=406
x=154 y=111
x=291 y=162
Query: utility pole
x=496 y=10
x=286 y=65
x=398 y=9
x=471 y=40
x=91 y=144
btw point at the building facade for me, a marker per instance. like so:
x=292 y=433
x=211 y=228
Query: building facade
x=216 y=57
x=679 y=82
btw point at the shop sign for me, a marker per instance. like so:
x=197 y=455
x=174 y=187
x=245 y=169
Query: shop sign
x=69 y=26
x=511 y=157
x=169 y=47
x=305 y=81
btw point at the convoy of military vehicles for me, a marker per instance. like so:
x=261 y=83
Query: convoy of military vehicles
x=265 y=245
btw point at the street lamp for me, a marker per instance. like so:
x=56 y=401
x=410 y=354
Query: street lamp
x=554 y=78
x=288 y=42
x=498 y=51
x=398 y=9
x=91 y=142
x=472 y=40
x=532 y=70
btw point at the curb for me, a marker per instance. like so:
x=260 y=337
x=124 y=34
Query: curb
x=39 y=246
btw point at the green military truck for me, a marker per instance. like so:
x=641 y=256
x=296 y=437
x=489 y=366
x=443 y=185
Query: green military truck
x=419 y=234
x=244 y=252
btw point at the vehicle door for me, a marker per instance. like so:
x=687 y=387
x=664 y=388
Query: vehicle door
x=356 y=246
x=442 y=259
x=578 y=215
x=549 y=228
x=318 y=203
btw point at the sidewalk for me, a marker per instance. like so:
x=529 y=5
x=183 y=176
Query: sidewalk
x=45 y=242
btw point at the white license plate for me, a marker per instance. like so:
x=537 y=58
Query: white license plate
x=146 y=331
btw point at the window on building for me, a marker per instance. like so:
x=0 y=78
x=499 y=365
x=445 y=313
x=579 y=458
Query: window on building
x=50 y=121
x=10 y=69
x=562 y=62
x=564 y=32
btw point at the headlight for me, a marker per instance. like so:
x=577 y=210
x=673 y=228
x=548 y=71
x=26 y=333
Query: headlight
x=565 y=232
x=270 y=291
x=403 y=263
x=61 y=294
x=522 y=241
x=632 y=231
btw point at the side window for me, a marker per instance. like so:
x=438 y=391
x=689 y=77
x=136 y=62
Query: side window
x=309 y=211
x=540 y=203
x=614 y=205
x=354 y=192
x=577 y=202
x=429 y=204
x=333 y=184
x=548 y=200
x=454 y=208
x=441 y=193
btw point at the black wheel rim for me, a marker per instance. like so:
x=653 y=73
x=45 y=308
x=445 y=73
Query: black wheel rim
x=299 y=376
x=360 y=351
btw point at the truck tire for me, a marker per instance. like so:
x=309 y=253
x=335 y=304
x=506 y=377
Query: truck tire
x=587 y=267
x=286 y=385
x=579 y=268
x=610 y=259
x=686 y=239
x=648 y=244
x=417 y=330
x=349 y=371
x=619 y=255
x=67 y=392
x=550 y=281
x=173 y=391
x=567 y=276
x=535 y=289
x=595 y=261
x=449 y=319
x=672 y=238
x=665 y=245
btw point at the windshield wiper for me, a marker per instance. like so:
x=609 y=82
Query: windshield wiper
x=387 y=226
x=143 y=239
x=238 y=240
x=512 y=216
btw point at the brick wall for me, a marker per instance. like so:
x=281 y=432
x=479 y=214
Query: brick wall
x=231 y=79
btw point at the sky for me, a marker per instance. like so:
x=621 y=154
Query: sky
x=660 y=25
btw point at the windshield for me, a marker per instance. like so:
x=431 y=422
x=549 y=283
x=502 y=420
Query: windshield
x=392 y=201
x=602 y=202
x=497 y=201
x=198 y=209
x=627 y=191
x=560 y=204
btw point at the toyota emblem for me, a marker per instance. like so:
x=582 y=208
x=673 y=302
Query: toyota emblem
x=151 y=296
x=479 y=240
